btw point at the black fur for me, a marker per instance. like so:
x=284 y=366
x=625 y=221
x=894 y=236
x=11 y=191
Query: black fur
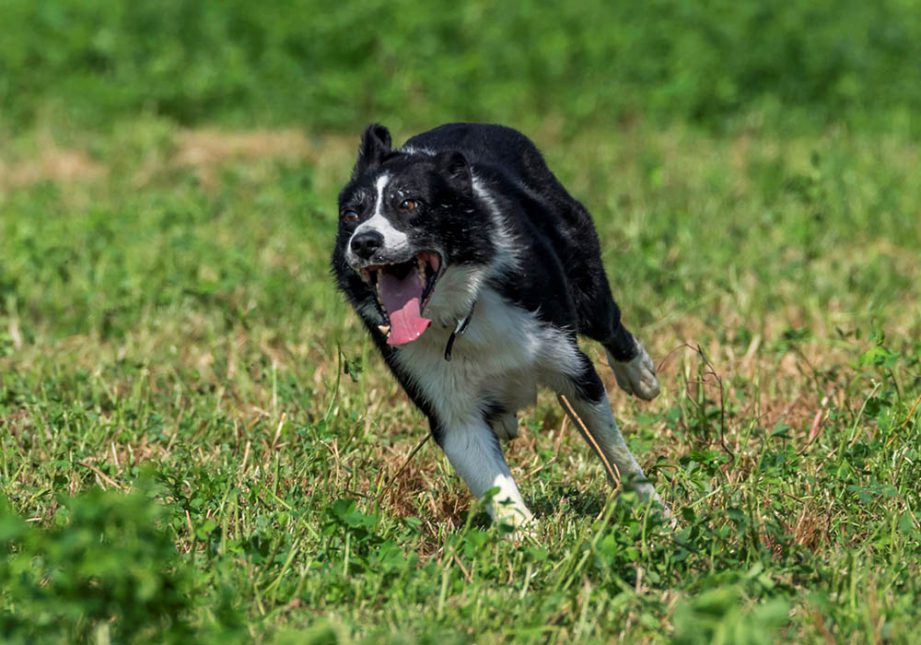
x=556 y=227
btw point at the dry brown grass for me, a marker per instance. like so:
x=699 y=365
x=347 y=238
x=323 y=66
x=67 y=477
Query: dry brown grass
x=51 y=164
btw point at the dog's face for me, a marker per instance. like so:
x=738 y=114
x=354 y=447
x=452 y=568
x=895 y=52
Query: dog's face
x=410 y=232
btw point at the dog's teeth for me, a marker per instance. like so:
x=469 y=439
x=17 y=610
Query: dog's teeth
x=384 y=329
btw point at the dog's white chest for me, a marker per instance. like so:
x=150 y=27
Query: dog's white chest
x=500 y=358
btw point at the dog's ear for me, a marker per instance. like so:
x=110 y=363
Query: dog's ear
x=375 y=145
x=455 y=169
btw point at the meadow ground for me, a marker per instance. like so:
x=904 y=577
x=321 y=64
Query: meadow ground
x=197 y=442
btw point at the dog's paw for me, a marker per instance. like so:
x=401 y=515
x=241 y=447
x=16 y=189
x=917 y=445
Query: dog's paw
x=648 y=495
x=515 y=516
x=670 y=520
x=638 y=375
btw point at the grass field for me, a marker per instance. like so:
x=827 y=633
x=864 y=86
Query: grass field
x=197 y=442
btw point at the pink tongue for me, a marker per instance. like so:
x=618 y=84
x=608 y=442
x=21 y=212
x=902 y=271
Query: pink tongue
x=402 y=298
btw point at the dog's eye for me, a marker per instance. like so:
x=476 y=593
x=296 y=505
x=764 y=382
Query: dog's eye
x=350 y=216
x=409 y=205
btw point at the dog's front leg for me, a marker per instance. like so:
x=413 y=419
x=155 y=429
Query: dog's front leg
x=473 y=450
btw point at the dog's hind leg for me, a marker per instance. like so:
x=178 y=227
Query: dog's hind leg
x=592 y=416
x=633 y=368
x=637 y=374
x=474 y=451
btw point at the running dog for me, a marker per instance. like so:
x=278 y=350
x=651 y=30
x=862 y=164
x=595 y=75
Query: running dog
x=474 y=270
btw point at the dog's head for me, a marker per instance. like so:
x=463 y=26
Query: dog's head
x=413 y=237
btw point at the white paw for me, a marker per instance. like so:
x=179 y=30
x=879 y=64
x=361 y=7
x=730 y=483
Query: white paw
x=638 y=375
x=507 y=512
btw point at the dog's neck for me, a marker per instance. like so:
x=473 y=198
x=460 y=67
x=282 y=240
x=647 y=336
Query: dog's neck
x=459 y=329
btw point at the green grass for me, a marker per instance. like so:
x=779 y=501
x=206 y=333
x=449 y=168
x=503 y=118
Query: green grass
x=720 y=63
x=169 y=334
x=198 y=444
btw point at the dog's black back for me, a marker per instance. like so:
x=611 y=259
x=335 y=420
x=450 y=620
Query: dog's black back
x=568 y=286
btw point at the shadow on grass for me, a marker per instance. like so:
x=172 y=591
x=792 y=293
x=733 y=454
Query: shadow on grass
x=570 y=500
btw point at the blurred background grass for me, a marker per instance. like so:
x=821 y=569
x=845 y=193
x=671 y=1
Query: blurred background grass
x=332 y=64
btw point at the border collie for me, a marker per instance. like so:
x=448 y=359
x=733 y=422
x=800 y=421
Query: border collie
x=473 y=270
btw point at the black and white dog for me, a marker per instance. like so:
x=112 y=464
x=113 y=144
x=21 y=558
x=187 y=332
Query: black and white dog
x=474 y=270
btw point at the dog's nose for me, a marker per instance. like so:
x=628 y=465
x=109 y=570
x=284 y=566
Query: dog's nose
x=365 y=244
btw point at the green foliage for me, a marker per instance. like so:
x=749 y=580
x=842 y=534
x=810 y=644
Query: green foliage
x=715 y=617
x=103 y=567
x=340 y=64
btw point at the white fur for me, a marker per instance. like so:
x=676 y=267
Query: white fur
x=504 y=240
x=636 y=376
x=395 y=241
x=502 y=356
x=380 y=185
x=475 y=455
x=454 y=295
x=412 y=150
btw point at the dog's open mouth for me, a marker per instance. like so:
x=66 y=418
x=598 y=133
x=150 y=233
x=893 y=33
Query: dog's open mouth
x=403 y=290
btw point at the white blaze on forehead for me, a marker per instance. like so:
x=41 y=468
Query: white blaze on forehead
x=395 y=241
x=380 y=185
